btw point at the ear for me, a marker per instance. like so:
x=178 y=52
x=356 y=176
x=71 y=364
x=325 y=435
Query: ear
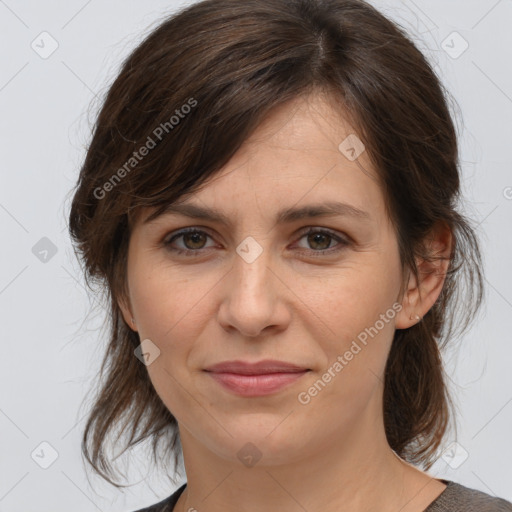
x=420 y=296
x=124 y=306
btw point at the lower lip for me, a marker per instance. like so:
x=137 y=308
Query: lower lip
x=256 y=385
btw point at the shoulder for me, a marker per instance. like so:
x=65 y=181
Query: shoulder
x=166 y=505
x=457 y=497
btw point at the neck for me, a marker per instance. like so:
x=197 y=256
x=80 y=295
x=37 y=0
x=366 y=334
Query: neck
x=357 y=471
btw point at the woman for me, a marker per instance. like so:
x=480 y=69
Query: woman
x=269 y=199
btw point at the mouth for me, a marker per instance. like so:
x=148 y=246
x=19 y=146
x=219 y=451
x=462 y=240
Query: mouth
x=266 y=366
x=256 y=379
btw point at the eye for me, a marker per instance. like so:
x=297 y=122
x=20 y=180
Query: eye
x=194 y=241
x=320 y=240
x=193 y=238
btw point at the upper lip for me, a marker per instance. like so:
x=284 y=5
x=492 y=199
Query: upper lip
x=258 y=368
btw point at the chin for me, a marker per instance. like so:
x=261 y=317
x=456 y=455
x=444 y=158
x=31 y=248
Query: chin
x=263 y=440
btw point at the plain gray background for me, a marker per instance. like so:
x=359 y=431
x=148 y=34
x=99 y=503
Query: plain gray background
x=50 y=354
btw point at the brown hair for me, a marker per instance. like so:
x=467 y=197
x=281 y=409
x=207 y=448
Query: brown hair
x=230 y=63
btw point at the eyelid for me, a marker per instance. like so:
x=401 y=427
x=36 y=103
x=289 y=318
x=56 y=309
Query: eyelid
x=343 y=240
x=170 y=237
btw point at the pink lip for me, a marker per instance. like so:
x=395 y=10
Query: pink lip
x=255 y=379
x=256 y=385
x=259 y=368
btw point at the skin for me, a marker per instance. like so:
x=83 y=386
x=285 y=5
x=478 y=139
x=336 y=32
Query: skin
x=330 y=454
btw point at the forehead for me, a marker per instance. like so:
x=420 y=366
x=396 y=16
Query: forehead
x=307 y=125
x=302 y=153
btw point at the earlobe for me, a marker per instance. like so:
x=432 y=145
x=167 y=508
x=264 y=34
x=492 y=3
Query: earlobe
x=422 y=293
x=127 y=314
x=408 y=316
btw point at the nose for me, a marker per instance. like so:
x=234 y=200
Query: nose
x=254 y=297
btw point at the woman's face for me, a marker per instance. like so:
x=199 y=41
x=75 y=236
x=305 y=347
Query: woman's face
x=257 y=286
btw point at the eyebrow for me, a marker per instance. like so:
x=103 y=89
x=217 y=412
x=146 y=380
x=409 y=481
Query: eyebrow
x=286 y=215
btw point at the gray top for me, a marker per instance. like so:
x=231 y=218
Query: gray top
x=455 y=498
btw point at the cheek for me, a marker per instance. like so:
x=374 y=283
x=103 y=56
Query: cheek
x=166 y=302
x=359 y=307
x=360 y=317
x=170 y=312
x=355 y=296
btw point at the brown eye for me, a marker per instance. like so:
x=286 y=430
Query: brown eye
x=320 y=240
x=193 y=241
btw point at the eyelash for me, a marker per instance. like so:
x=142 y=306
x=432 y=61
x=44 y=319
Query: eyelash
x=342 y=242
